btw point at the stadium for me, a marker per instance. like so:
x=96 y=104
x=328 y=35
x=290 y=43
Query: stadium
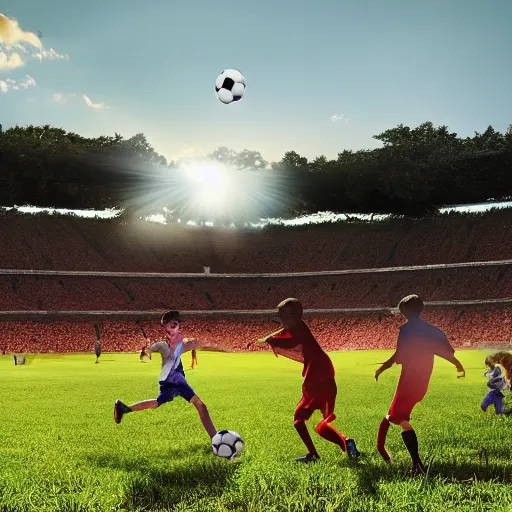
x=65 y=279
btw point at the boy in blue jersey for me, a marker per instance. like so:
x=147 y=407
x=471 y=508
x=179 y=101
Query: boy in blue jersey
x=172 y=376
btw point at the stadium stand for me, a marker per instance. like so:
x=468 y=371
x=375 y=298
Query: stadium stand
x=68 y=244
x=465 y=326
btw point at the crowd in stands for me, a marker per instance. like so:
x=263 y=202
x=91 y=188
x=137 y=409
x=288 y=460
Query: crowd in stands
x=45 y=293
x=69 y=243
x=60 y=243
x=465 y=327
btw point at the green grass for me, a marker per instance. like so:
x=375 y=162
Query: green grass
x=62 y=451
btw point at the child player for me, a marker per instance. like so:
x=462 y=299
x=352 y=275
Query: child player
x=144 y=353
x=97 y=350
x=418 y=342
x=172 y=376
x=497 y=383
x=296 y=342
x=194 y=359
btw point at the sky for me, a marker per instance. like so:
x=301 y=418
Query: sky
x=322 y=76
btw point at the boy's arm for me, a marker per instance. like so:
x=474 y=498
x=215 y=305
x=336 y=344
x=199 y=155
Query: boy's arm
x=385 y=366
x=281 y=339
x=445 y=350
x=193 y=344
x=452 y=359
x=156 y=347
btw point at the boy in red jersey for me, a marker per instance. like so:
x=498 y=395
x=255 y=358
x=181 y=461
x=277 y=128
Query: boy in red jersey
x=319 y=390
x=418 y=343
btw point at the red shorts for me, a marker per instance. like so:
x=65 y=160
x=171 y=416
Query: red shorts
x=409 y=391
x=321 y=396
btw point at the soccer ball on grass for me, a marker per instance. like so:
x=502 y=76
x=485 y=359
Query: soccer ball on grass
x=227 y=444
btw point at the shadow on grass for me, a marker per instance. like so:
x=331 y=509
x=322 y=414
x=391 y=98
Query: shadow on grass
x=186 y=480
x=370 y=474
x=130 y=462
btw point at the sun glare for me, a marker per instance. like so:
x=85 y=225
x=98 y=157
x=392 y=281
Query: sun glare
x=202 y=190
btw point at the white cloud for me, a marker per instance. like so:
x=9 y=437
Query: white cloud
x=50 y=54
x=15 y=85
x=14 y=41
x=10 y=32
x=336 y=118
x=91 y=104
x=11 y=61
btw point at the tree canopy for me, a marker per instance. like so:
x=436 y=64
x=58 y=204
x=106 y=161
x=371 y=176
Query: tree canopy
x=416 y=171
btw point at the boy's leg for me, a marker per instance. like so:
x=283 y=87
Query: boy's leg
x=204 y=415
x=487 y=401
x=326 y=430
x=381 y=438
x=121 y=409
x=403 y=403
x=411 y=443
x=498 y=402
x=303 y=412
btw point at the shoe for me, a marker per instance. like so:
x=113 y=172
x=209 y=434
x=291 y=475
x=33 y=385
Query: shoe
x=119 y=410
x=352 y=451
x=307 y=458
x=418 y=469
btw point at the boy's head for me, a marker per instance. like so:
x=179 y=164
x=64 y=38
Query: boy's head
x=489 y=361
x=171 y=322
x=411 y=306
x=289 y=312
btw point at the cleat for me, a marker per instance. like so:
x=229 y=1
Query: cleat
x=119 y=410
x=307 y=458
x=352 y=451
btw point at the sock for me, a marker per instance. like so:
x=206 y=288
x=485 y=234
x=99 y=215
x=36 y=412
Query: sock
x=331 y=434
x=411 y=443
x=381 y=439
x=302 y=430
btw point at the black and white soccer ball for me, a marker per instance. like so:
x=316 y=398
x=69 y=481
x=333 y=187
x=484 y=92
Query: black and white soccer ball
x=227 y=444
x=230 y=86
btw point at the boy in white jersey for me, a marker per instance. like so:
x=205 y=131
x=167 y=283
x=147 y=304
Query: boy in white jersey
x=172 y=376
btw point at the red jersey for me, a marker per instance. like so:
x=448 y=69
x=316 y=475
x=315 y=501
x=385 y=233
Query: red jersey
x=300 y=345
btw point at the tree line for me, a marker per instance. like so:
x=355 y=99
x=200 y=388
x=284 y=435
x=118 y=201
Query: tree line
x=416 y=171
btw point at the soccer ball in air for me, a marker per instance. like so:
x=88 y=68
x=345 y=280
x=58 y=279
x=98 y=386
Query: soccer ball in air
x=230 y=86
x=227 y=444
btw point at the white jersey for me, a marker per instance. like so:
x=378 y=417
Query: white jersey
x=497 y=378
x=171 y=359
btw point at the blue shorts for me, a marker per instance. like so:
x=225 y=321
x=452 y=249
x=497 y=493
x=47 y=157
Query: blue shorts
x=177 y=387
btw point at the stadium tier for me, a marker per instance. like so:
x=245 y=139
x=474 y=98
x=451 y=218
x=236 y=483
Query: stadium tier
x=354 y=290
x=69 y=243
x=465 y=326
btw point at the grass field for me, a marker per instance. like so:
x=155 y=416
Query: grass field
x=61 y=449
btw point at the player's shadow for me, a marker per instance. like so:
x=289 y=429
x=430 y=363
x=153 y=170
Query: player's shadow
x=149 y=486
x=471 y=470
x=370 y=474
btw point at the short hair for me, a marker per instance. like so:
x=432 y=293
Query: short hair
x=294 y=304
x=170 y=316
x=411 y=305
